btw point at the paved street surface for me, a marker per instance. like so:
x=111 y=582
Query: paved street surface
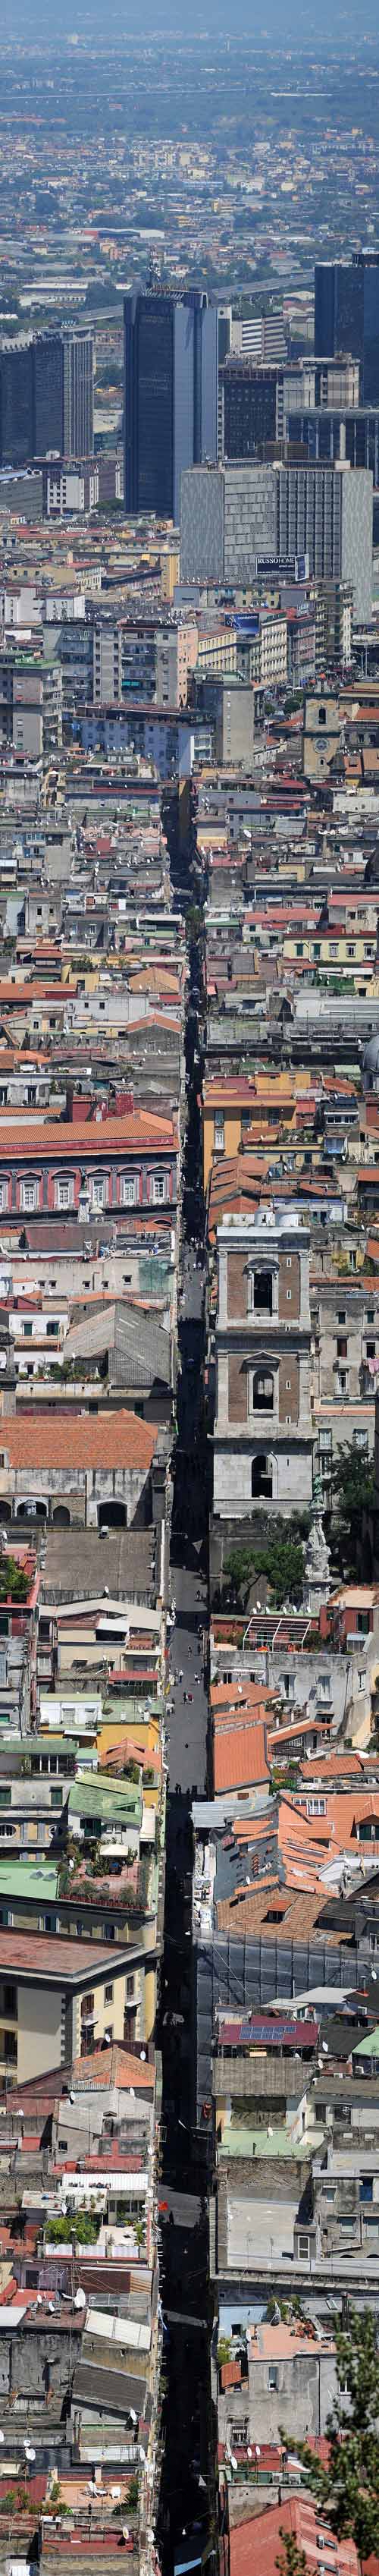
x=187 y=1725
x=183 y=2207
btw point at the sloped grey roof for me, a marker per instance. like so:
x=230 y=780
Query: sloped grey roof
x=138 y=1345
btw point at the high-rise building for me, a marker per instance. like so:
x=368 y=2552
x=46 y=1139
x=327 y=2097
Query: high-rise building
x=262 y=336
x=249 y=395
x=330 y=509
x=231 y=514
x=227 y=518
x=77 y=393
x=347 y=314
x=16 y=406
x=254 y=400
x=47 y=362
x=335 y=432
x=171 y=387
x=46 y=397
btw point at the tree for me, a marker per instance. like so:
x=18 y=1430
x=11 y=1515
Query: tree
x=292 y=2561
x=14 y=1583
x=353 y=1492
x=279 y=1556
x=348 y=2489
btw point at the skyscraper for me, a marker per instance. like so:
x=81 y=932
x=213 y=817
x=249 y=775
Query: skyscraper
x=250 y=406
x=48 y=394
x=16 y=406
x=347 y=314
x=77 y=393
x=233 y=514
x=46 y=397
x=171 y=385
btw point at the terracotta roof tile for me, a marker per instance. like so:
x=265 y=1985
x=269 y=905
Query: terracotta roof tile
x=78 y=1440
x=96 y=1136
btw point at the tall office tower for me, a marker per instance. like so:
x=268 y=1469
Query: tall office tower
x=347 y=314
x=48 y=394
x=16 y=406
x=77 y=393
x=250 y=407
x=232 y=514
x=325 y=511
x=171 y=386
x=227 y=519
x=46 y=397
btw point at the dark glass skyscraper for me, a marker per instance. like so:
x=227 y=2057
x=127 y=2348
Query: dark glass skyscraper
x=48 y=394
x=16 y=406
x=347 y=314
x=250 y=407
x=46 y=397
x=170 y=395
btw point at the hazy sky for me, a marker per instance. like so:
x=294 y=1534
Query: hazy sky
x=325 y=19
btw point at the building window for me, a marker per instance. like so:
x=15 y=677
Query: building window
x=64 y=1194
x=108 y=1994
x=29 y=1196
x=219 y=1131
x=128 y=1190
x=158 y=1188
x=98 y=1191
x=261 y=1477
x=263 y=1391
x=262 y=1292
x=273 y=2375
x=361 y=1440
x=129 y=1983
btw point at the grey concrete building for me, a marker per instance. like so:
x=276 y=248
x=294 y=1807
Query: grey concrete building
x=325 y=511
x=227 y=518
x=233 y=513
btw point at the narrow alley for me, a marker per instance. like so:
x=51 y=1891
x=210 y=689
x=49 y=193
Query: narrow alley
x=185 y=2294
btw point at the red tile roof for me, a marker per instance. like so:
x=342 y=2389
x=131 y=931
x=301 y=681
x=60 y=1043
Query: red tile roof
x=78 y=1441
x=97 y=1136
x=258 y=2543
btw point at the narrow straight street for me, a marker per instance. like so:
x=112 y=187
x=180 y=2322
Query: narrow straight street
x=184 y=2221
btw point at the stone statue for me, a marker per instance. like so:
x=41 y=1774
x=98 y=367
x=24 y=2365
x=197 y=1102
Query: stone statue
x=316 y=1586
